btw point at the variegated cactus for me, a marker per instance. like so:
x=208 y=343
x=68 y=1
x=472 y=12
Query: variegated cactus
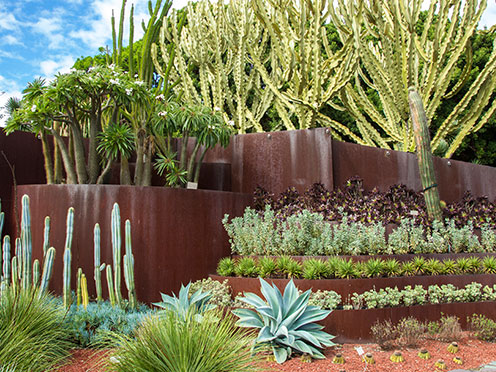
x=306 y=74
x=218 y=40
x=394 y=55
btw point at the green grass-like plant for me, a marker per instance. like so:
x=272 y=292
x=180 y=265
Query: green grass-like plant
x=267 y=267
x=173 y=344
x=315 y=269
x=246 y=267
x=489 y=265
x=33 y=335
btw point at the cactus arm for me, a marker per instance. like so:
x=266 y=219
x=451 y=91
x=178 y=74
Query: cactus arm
x=18 y=253
x=424 y=155
x=110 y=284
x=15 y=282
x=6 y=259
x=97 y=266
x=26 y=243
x=78 y=287
x=129 y=267
x=116 y=250
x=47 y=270
x=36 y=273
x=84 y=292
x=67 y=278
x=46 y=235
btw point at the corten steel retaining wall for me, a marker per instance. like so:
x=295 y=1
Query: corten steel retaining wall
x=177 y=234
x=23 y=152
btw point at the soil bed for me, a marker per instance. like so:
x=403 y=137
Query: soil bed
x=474 y=354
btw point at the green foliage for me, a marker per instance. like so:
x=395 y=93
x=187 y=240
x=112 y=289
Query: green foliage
x=267 y=267
x=286 y=322
x=33 y=335
x=226 y=267
x=182 y=305
x=220 y=292
x=315 y=269
x=482 y=327
x=178 y=343
x=246 y=267
x=307 y=233
x=89 y=327
x=326 y=300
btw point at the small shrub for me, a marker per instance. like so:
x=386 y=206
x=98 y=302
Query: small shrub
x=326 y=300
x=489 y=265
x=88 y=327
x=373 y=268
x=220 y=292
x=226 y=267
x=410 y=332
x=392 y=267
x=384 y=334
x=289 y=267
x=176 y=344
x=449 y=329
x=483 y=328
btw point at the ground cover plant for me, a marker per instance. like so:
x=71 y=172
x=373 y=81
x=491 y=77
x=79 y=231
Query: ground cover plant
x=343 y=268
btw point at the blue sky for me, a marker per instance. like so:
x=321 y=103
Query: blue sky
x=43 y=37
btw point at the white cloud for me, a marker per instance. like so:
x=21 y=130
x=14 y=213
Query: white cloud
x=50 y=67
x=11 y=40
x=51 y=25
x=8 y=22
x=8 y=88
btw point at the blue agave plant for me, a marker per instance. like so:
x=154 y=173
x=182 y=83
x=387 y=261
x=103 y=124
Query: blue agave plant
x=286 y=322
x=197 y=302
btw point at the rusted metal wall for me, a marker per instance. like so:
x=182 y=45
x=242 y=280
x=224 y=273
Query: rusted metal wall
x=177 y=234
x=23 y=151
x=384 y=168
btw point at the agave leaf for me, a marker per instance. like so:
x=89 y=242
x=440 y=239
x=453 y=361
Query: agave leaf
x=290 y=294
x=265 y=335
x=307 y=336
x=310 y=316
x=292 y=317
x=253 y=300
x=273 y=297
x=267 y=311
x=280 y=353
x=282 y=331
x=311 y=327
x=248 y=318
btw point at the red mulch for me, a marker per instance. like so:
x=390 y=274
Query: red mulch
x=474 y=354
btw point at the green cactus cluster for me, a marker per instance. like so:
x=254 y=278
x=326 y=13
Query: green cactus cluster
x=21 y=272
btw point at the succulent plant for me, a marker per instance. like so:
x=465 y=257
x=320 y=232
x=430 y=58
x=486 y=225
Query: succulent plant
x=286 y=322
x=424 y=354
x=338 y=359
x=225 y=267
x=315 y=269
x=397 y=357
x=184 y=303
x=246 y=267
x=267 y=267
x=453 y=348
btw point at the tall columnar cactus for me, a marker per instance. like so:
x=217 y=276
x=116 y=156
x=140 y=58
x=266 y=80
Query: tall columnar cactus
x=78 y=287
x=36 y=274
x=129 y=267
x=19 y=255
x=110 y=284
x=46 y=235
x=67 y=278
x=84 y=292
x=47 y=270
x=401 y=46
x=116 y=251
x=424 y=155
x=15 y=273
x=6 y=259
x=26 y=244
x=98 y=265
x=2 y=218
x=68 y=258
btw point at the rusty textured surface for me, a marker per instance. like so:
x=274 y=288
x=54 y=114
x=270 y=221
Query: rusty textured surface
x=177 y=234
x=384 y=168
x=346 y=287
x=354 y=325
x=23 y=152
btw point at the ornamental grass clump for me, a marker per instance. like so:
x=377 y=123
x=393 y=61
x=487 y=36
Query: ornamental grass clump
x=173 y=343
x=286 y=322
x=33 y=336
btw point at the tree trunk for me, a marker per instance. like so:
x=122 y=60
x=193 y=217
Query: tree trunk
x=57 y=159
x=47 y=157
x=138 y=171
x=147 y=174
x=199 y=164
x=125 y=175
x=66 y=158
x=107 y=168
x=95 y=129
x=191 y=163
x=79 y=154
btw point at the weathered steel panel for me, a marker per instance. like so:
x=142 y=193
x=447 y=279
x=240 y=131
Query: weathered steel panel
x=177 y=234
